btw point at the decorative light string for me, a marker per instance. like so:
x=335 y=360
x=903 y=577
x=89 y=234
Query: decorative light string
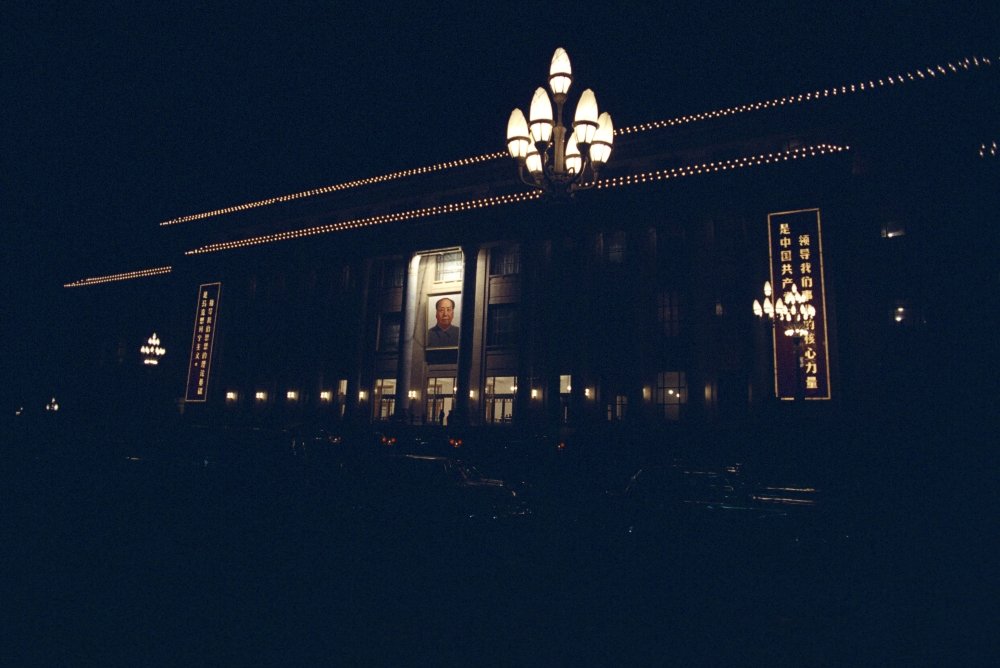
x=965 y=64
x=988 y=150
x=721 y=166
x=846 y=89
x=458 y=207
x=340 y=186
x=95 y=280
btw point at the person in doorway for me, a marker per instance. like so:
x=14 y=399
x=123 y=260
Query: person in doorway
x=443 y=334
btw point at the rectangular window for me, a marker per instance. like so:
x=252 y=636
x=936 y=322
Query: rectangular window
x=499 y=395
x=440 y=399
x=388 y=333
x=392 y=273
x=616 y=411
x=501 y=326
x=505 y=261
x=671 y=394
x=385 y=398
x=565 y=388
x=448 y=267
x=668 y=313
x=614 y=247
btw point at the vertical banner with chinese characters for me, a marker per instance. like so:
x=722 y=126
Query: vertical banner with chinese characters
x=796 y=252
x=205 y=317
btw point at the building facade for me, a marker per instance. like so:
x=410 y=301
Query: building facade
x=453 y=293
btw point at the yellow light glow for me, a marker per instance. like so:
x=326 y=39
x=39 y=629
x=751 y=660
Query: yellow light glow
x=261 y=396
x=292 y=395
x=96 y=280
x=231 y=396
x=325 y=395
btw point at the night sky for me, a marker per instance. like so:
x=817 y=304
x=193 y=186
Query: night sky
x=117 y=115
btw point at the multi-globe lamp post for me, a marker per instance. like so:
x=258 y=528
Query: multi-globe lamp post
x=152 y=351
x=547 y=158
x=793 y=314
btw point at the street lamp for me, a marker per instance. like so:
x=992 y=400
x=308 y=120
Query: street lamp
x=793 y=314
x=152 y=351
x=554 y=163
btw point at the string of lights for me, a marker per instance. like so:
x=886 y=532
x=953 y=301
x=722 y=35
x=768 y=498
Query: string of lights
x=95 y=280
x=458 y=207
x=721 y=166
x=950 y=68
x=988 y=150
x=338 y=187
x=965 y=64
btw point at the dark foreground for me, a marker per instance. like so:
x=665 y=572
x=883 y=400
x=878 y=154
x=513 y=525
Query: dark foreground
x=139 y=563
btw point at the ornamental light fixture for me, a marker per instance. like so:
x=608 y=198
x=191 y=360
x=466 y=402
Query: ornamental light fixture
x=792 y=313
x=549 y=160
x=152 y=351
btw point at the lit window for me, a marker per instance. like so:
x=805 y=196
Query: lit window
x=292 y=395
x=326 y=396
x=385 y=398
x=261 y=396
x=449 y=267
x=231 y=396
x=440 y=399
x=499 y=395
x=893 y=229
x=671 y=394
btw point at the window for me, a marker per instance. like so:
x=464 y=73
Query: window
x=385 y=398
x=565 y=388
x=501 y=326
x=448 y=267
x=505 y=261
x=671 y=394
x=614 y=247
x=616 y=411
x=893 y=229
x=388 y=334
x=668 y=313
x=500 y=393
x=392 y=273
x=440 y=399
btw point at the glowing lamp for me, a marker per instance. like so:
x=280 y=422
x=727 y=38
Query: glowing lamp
x=585 y=120
x=560 y=73
x=600 y=148
x=541 y=117
x=518 y=140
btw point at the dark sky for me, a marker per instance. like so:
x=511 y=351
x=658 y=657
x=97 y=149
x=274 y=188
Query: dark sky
x=117 y=115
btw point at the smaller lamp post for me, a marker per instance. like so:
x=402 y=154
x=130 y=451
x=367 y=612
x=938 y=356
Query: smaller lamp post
x=794 y=314
x=152 y=351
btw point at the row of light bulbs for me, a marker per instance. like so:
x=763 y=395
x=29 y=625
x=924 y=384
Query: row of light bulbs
x=632 y=179
x=426 y=212
x=846 y=89
x=338 y=187
x=722 y=166
x=143 y=273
